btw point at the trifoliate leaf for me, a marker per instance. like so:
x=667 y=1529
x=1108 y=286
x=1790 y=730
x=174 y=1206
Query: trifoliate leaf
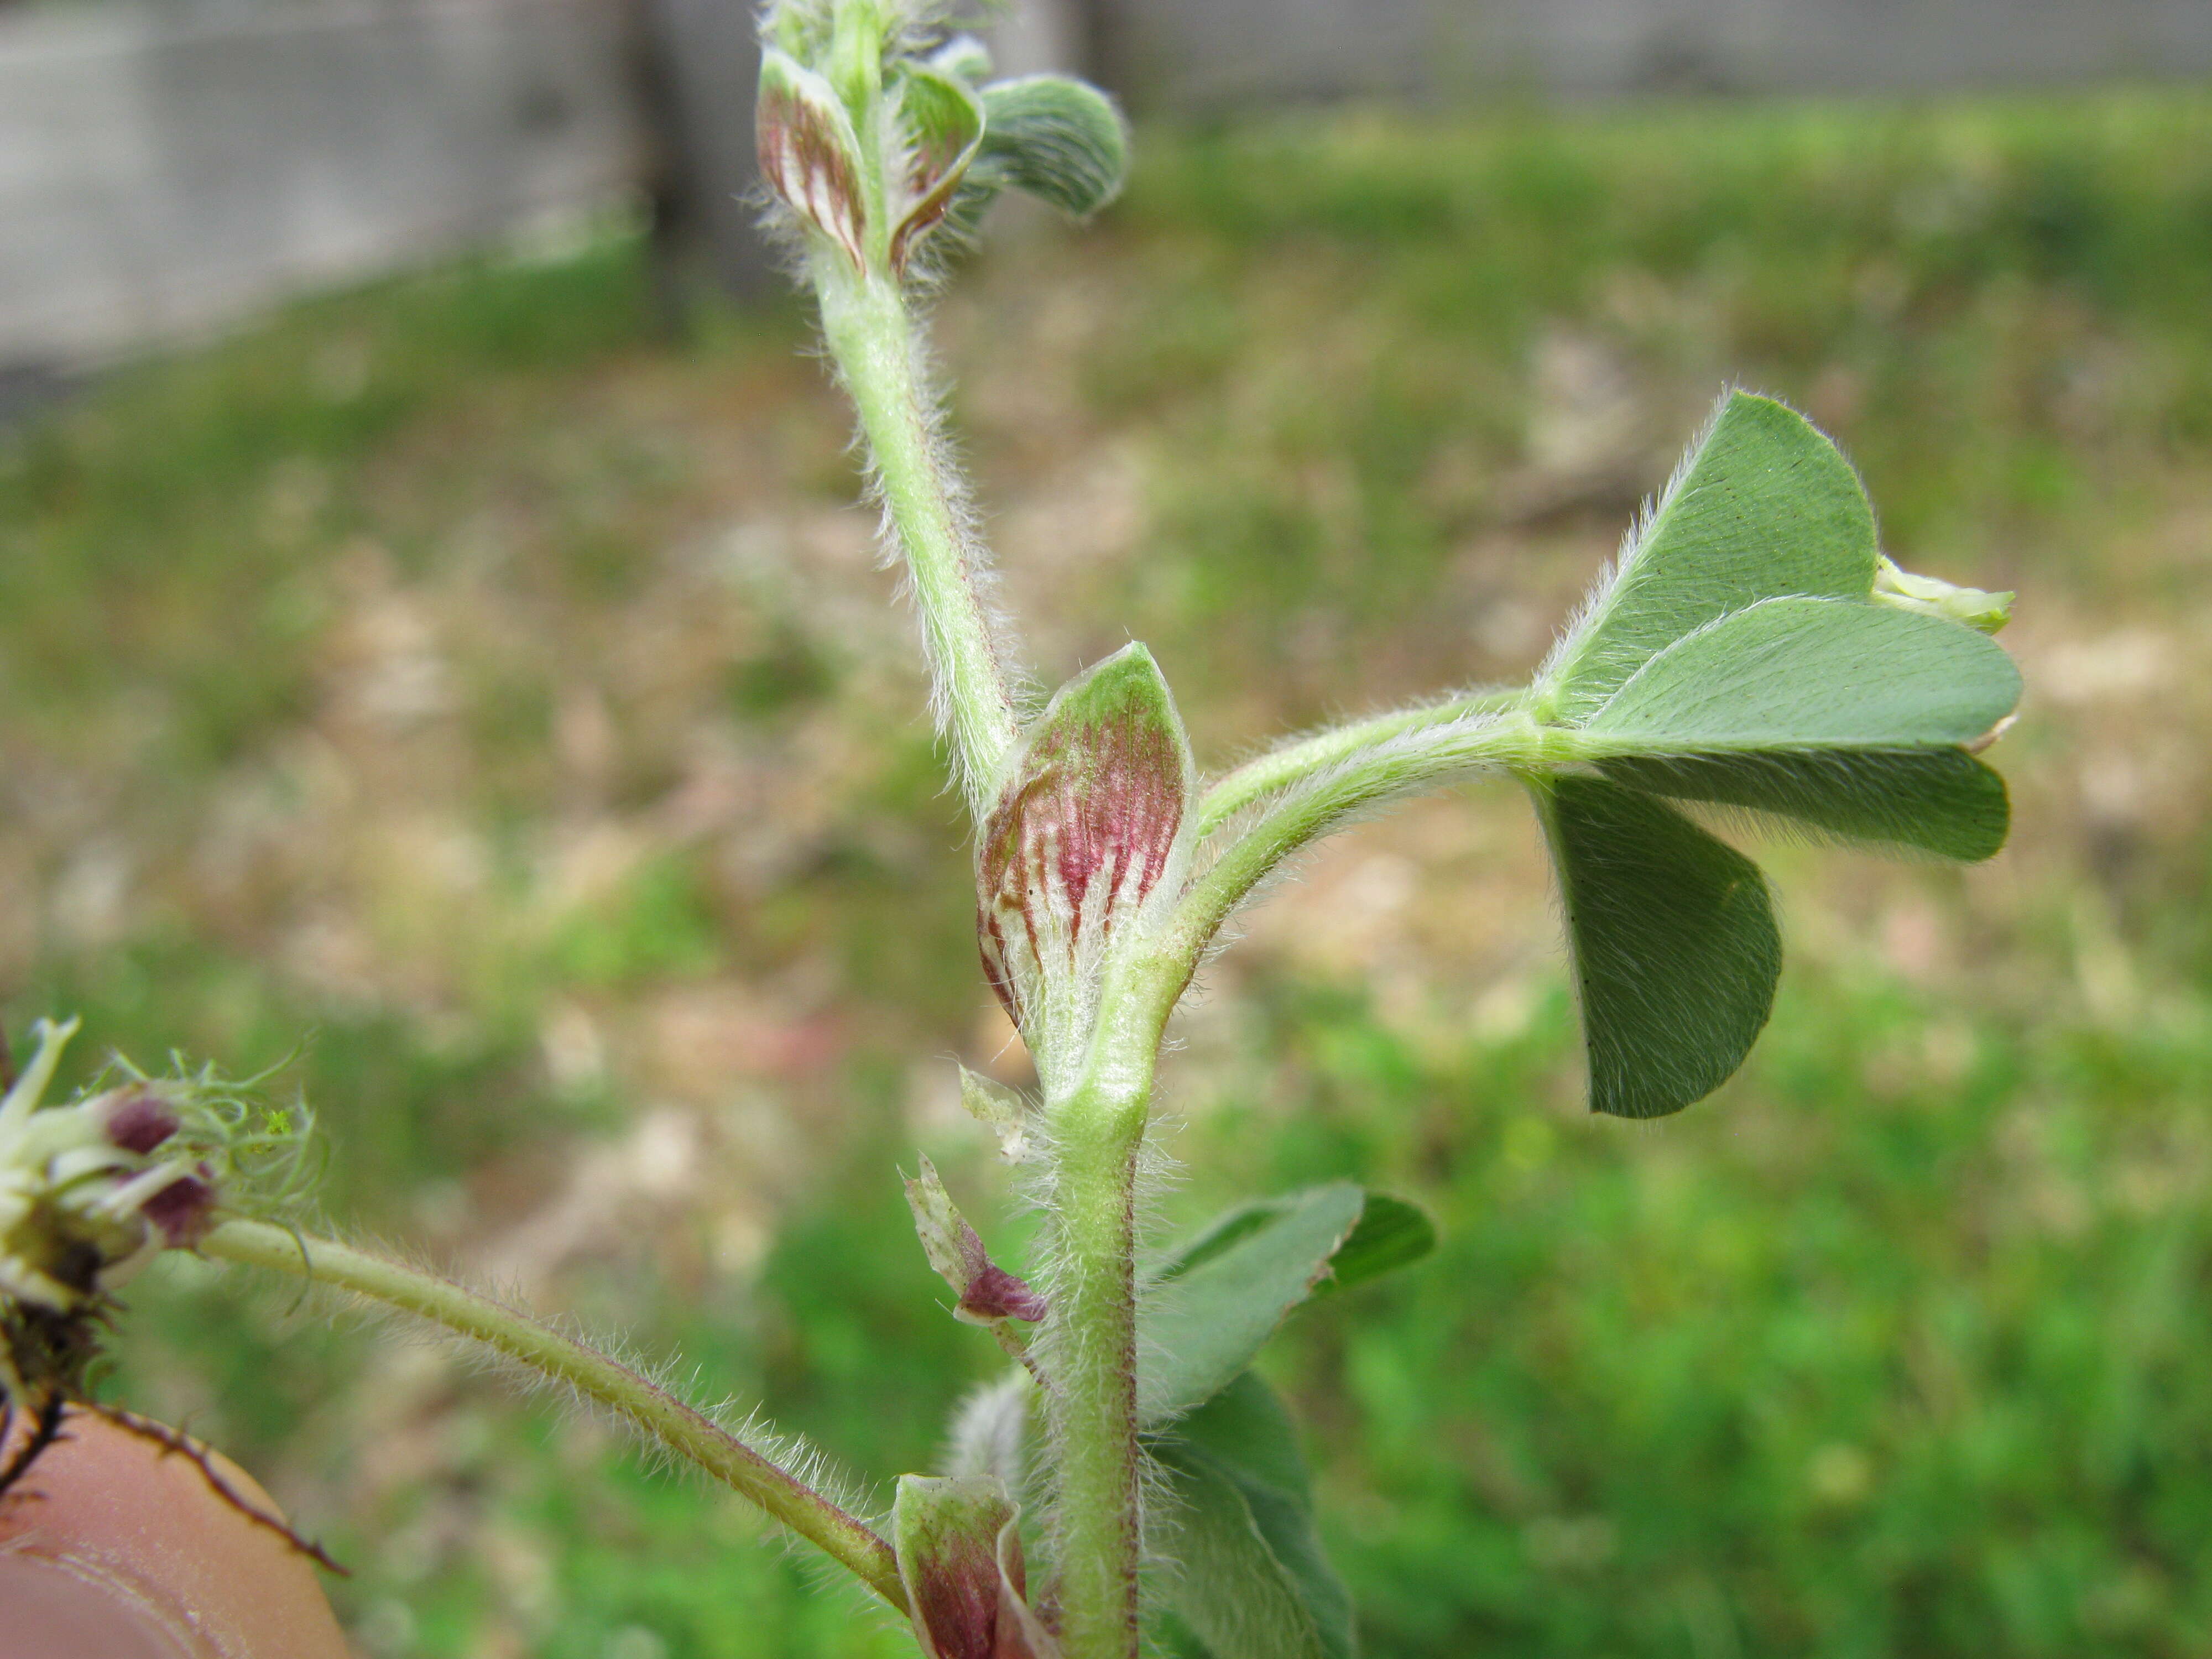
x=1673 y=942
x=1248 y=1577
x=1060 y=139
x=1762 y=508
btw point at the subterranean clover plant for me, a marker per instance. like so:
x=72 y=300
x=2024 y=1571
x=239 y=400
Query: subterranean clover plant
x=1750 y=651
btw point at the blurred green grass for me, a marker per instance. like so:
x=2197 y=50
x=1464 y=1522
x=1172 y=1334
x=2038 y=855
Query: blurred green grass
x=460 y=678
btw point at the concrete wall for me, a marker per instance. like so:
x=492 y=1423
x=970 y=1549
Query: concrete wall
x=1197 y=53
x=162 y=173
x=158 y=177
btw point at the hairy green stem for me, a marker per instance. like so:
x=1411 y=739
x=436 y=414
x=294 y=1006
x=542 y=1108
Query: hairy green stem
x=1301 y=758
x=1417 y=759
x=1094 y=1395
x=1099 y=1130
x=682 y=1430
x=873 y=339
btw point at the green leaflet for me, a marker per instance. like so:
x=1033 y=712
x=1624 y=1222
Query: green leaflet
x=1207 y=1306
x=1799 y=673
x=1674 y=945
x=1207 y=1312
x=1933 y=800
x=1391 y=1234
x=1060 y=139
x=1252 y=1580
x=1845 y=717
x=1764 y=506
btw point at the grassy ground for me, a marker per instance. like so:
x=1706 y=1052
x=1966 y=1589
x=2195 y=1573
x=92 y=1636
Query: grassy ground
x=505 y=701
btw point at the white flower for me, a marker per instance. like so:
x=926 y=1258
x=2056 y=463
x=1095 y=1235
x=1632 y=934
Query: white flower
x=91 y=1190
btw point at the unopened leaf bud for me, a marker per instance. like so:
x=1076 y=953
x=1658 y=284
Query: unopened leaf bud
x=1974 y=606
x=963 y=57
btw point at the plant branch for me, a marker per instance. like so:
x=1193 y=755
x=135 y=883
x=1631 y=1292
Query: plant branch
x=872 y=340
x=1089 y=1352
x=683 y=1430
x=1292 y=761
x=1091 y=1363
x=1419 y=758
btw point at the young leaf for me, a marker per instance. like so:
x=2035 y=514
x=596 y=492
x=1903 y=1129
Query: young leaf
x=1762 y=507
x=1205 y=1311
x=1083 y=829
x=943 y=126
x=1674 y=945
x=1813 y=673
x=809 y=155
x=1850 y=718
x=960 y=1560
x=1251 y=1581
x=1391 y=1234
x=1060 y=139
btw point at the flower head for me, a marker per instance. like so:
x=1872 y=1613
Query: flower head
x=91 y=1188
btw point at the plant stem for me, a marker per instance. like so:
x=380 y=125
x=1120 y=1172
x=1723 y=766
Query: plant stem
x=1302 y=757
x=1091 y=1356
x=685 y=1430
x=874 y=340
x=1094 y=1395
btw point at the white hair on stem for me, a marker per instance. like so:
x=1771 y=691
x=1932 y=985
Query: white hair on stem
x=793 y=1454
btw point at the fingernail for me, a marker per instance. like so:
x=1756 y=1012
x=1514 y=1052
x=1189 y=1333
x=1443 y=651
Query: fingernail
x=55 y=1611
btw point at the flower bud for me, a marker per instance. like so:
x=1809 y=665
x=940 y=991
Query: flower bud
x=136 y=1118
x=182 y=1211
x=1083 y=830
x=92 y=1190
